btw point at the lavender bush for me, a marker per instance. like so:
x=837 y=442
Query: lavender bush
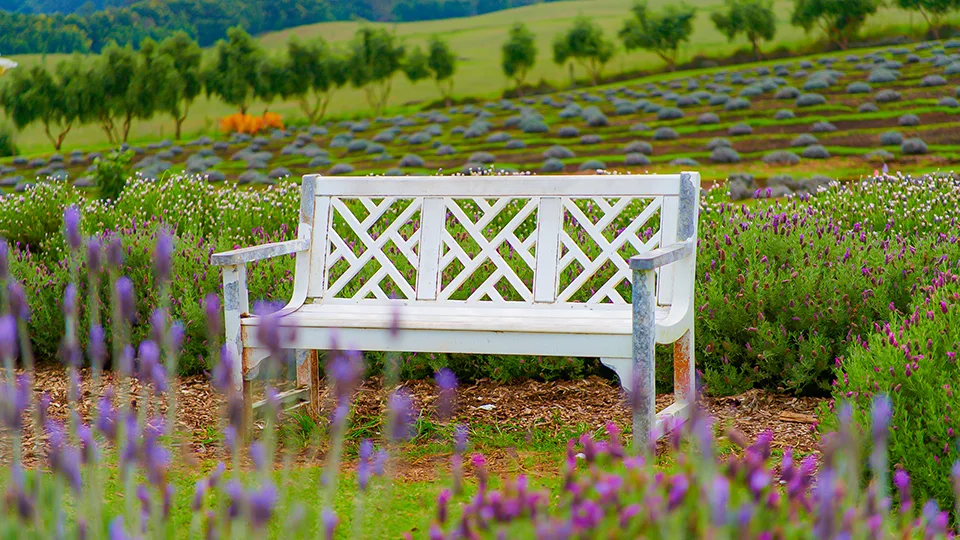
x=605 y=488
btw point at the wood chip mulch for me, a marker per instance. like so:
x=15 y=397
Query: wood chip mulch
x=554 y=407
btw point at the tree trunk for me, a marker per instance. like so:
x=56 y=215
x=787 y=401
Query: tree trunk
x=756 y=50
x=126 y=126
x=179 y=122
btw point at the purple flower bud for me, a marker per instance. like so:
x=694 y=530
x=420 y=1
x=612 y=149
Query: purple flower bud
x=4 y=259
x=447 y=382
x=124 y=292
x=363 y=468
x=97 y=347
x=403 y=415
x=8 y=337
x=380 y=462
x=71 y=224
x=199 y=492
x=442 y=501
x=268 y=328
x=678 y=491
x=880 y=418
x=94 y=255
x=211 y=307
x=18 y=301
x=330 y=523
x=258 y=453
x=262 y=502
x=902 y=482
x=70 y=300
x=162 y=256
x=237 y=498
x=117 y=530
x=115 y=253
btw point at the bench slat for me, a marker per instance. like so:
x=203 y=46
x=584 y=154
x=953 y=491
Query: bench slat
x=499 y=186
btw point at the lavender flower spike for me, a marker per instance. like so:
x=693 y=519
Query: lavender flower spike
x=71 y=225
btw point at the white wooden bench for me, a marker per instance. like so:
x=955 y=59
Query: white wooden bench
x=496 y=265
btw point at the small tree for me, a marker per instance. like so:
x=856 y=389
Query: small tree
x=232 y=76
x=840 y=20
x=932 y=11
x=416 y=66
x=661 y=33
x=185 y=56
x=375 y=57
x=58 y=101
x=152 y=88
x=271 y=81
x=584 y=43
x=443 y=64
x=753 y=18
x=519 y=54
x=313 y=72
x=109 y=81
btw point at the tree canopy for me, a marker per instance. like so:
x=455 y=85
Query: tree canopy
x=57 y=100
x=186 y=81
x=442 y=62
x=933 y=11
x=375 y=56
x=585 y=43
x=754 y=19
x=840 y=20
x=234 y=72
x=519 y=54
x=660 y=33
x=314 y=71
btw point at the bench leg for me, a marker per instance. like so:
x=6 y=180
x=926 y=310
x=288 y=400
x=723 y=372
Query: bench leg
x=684 y=370
x=308 y=376
x=644 y=395
x=623 y=367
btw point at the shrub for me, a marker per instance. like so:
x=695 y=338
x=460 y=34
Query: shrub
x=737 y=104
x=110 y=173
x=933 y=80
x=909 y=120
x=787 y=92
x=815 y=151
x=360 y=145
x=340 y=168
x=590 y=139
x=250 y=124
x=685 y=162
x=810 y=100
x=530 y=124
x=552 y=165
x=718 y=142
x=948 y=102
x=664 y=134
x=568 y=132
x=708 y=118
x=446 y=150
x=867 y=107
x=8 y=146
x=718 y=99
x=411 y=161
x=558 y=152
x=482 y=157
x=823 y=127
x=592 y=165
x=669 y=113
x=784 y=114
x=636 y=159
x=889 y=138
x=804 y=139
x=887 y=96
x=859 y=88
x=882 y=76
x=724 y=154
x=914 y=146
x=781 y=157
x=881 y=156
x=740 y=129
x=515 y=144
x=913 y=361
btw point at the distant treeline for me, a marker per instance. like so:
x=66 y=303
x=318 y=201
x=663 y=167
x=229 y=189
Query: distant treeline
x=66 y=26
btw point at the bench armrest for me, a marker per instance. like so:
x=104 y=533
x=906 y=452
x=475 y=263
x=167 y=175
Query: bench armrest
x=258 y=253
x=656 y=258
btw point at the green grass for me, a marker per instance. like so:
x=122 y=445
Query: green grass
x=477 y=41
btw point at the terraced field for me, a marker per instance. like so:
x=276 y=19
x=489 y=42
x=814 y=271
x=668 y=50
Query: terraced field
x=836 y=116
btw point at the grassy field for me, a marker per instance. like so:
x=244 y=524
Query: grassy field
x=477 y=40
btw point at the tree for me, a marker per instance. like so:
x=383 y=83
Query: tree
x=152 y=87
x=661 y=33
x=313 y=72
x=443 y=64
x=519 y=54
x=584 y=42
x=375 y=56
x=840 y=20
x=233 y=74
x=932 y=11
x=753 y=18
x=185 y=55
x=58 y=101
x=415 y=66
x=109 y=81
x=271 y=81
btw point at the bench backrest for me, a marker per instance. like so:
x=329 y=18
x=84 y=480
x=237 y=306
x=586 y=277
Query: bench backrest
x=514 y=238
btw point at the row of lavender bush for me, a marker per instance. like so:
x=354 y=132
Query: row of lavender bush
x=608 y=488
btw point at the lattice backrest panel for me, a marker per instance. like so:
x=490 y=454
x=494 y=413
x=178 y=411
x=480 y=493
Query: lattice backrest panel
x=488 y=250
x=373 y=247
x=487 y=239
x=597 y=239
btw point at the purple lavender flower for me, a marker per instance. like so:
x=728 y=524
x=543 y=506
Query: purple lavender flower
x=262 y=502
x=71 y=224
x=117 y=531
x=719 y=497
x=330 y=522
x=447 y=381
x=8 y=337
x=94 y=255
x=97 y=346
x=211 y=307
x=403 y=415
x=115 y=253
x=258 y=453
x=902 y=482
x=14 y=401
x=125 y=299
x=106 y=421
x=363 y=468
x=24 y=502
x=162 y=256
x=4 y=260
x=64 y=459
x=268 y=328
x=199 y=493
x=222 y=376
x=442 y=501
x=678 y=491
x=236 y=497
x=18 y=301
